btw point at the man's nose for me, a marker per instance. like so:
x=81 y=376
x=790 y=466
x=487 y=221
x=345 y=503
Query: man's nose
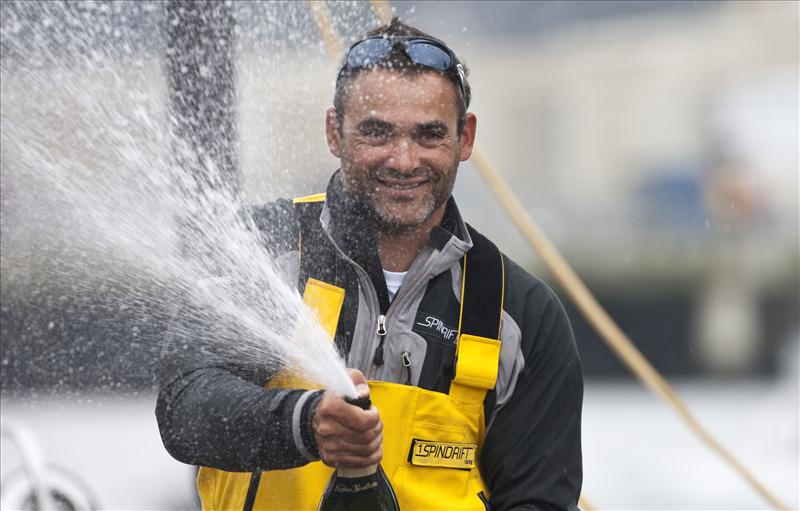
x=405 y=156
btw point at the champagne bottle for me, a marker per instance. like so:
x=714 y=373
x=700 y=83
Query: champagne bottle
x=359 y=489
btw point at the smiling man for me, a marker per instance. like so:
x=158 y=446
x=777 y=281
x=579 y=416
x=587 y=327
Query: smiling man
x=400 y=144
x=469 y=359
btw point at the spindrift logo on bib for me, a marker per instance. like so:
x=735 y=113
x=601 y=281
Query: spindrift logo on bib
x=442 y=454
x=432 y=324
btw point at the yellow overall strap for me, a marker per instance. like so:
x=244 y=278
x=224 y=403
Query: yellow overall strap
x=318 y=274
x=480 y=321
x=320 y=296
x=326 y=300
x=314 y=197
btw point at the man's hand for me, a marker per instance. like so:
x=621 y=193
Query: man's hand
x=348 y=436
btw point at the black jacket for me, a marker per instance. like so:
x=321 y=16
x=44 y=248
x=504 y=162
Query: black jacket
x=214 y=412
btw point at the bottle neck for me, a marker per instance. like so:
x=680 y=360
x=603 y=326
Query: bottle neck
x=352 y=473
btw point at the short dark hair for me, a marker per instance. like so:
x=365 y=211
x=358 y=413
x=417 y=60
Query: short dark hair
x=399 y=61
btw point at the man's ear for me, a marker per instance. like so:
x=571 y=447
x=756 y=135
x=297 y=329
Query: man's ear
x=332 y=133
x=468 y=136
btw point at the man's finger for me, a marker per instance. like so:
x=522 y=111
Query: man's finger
x=360 y=381
x=328 y=429
x=350 y=416
x=348 y=461
x=340 y=447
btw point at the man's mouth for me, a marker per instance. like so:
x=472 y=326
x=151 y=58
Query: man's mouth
x=403 y=185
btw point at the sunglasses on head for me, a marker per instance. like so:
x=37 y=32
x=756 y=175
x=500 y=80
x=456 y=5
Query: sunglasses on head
x=420 y=50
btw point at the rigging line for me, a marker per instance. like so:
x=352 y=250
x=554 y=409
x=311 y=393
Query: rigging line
x=602 y=322
x=323 y=20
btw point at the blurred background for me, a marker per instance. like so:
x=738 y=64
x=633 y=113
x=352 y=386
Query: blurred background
x=656 y=143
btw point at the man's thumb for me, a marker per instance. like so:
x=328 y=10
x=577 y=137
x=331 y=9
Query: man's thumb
x=360 y=381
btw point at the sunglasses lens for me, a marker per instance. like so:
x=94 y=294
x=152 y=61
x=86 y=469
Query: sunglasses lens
x=368 y=52
x=428 y=55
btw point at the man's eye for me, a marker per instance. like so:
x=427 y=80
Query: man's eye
x=432 y=135
x=376 y=133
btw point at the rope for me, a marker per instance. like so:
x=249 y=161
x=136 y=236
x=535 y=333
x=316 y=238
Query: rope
x=584 y=504
x=323 y=20
x=382 y=10
x=602 y=322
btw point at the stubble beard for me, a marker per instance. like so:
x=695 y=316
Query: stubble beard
x=388 y=222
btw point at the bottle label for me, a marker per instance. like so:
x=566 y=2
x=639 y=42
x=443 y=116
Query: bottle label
x=354 y=486
x=429 y=453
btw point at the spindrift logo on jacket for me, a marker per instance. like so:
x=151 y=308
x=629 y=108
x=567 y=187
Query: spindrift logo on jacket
x=427 y=453
x=435 y=325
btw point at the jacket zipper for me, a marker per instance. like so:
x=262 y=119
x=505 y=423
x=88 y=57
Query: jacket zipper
x=380 y=331
x=383 y=319
x=377 y=359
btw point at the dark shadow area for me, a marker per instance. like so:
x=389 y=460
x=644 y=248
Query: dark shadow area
x=662 y=325
x=57 y=342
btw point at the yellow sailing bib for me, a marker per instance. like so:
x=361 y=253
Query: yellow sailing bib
x=431 y=440
x=431 y=444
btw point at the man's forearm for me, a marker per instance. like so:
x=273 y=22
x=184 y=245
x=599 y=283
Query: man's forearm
x=532 y=452
x=211 y=417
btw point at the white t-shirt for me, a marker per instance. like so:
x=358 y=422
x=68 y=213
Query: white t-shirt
x=393 y=281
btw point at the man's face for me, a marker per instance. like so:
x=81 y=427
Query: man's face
x=398 y=145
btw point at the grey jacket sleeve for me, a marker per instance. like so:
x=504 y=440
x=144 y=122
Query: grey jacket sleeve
x=532 y=452
x=212 y=409
x=215 y=413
